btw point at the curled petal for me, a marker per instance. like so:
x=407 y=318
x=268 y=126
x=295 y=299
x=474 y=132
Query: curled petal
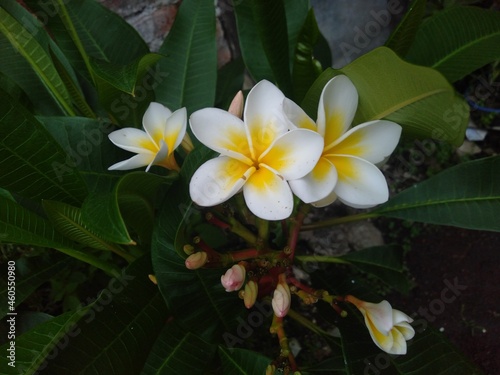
x=222 y=132
x=360 y=183
x=175 y=129
x=161 y=155
x=154 y=120
x=133 y=140
x=264 y=116
x=294 y=154
x=217 y=180
x=318 y=184
x=297 y=117
x=137 y=161
x=337 y=107
x=268 y=195
x=373 y=141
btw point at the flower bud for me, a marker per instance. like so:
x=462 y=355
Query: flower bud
x=281 y=300
x=196 y=260
x=236 y=106
x=234 y=278
x=250 y=293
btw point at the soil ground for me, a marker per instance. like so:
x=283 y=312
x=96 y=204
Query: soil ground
x=469 y=259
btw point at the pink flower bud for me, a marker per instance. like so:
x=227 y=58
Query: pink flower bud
x=281 y=300
x=236 y=106
x=234 y=278
x=196 y=260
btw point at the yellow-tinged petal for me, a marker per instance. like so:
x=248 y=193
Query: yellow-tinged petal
x=294 y=154
x=316 y=185
x=297 y=117
x=133 y=140
x=268 y=195
x=360 y=183
x=154 y=121
x=217 y=180
x=337 y=107
x=136 y=161
x=264 y=117
x=373 y=141
x=175 y=129
x=222 y=132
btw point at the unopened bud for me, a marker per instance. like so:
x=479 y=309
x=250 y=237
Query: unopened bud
x=236 y=106
x=153 y=279
x=281 y=300
x=234 y=278
x=187 y=144
x=250 y=293
x=196 y=260
x=270 y=370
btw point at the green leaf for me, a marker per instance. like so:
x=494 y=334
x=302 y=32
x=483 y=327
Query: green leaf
x=34 y=272
x=403 y=35
x=418 y=98
x=32 y=157
x=306 y=68
x=270 y=21
x=241 y=361
x=191 y=58
x=470 y=39
x=44 y=341
x=118 y=331
x=174 y=353
x=33 y=50
x=19 y=225
x=467 y=196
x=67 y=220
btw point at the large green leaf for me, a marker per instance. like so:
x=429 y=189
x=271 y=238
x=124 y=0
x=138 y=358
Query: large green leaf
x=467 y=196
x=191 y=58
x=29 y=157
x=418 y=98
x=178 y=352
x=241 y=361
x=270 y=21
x=403 y=35
x=31 y=272
x=457 y=41
x=45 y=341
x=19 y=225
x=119 y=330
x=34 y=49
x=181 y=288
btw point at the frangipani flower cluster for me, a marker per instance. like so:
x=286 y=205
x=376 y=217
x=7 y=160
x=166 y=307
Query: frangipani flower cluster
x=163 y=133
x=275 y=150
x=389 y=328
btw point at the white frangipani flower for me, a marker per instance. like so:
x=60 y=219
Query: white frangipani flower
x=389 y=328
x=155 y=145
x=346 y=168
x=257 y=155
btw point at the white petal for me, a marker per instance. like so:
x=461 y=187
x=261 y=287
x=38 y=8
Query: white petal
x=380 y=314
x=222 y=132
x=294 y=154
x=399 y=317
x=406 y=330
x=175 y=129
x=139 y=160
x=360 y=183
x=217 y=180
x=316 y=185
x=297 y=117
x=373 y=141
x=133 y=140
x=398 y=343
x=268 y=195
x=264 y=116
x=160 y=155
x=329 y=199
x=337 y=107
x=154 y=120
